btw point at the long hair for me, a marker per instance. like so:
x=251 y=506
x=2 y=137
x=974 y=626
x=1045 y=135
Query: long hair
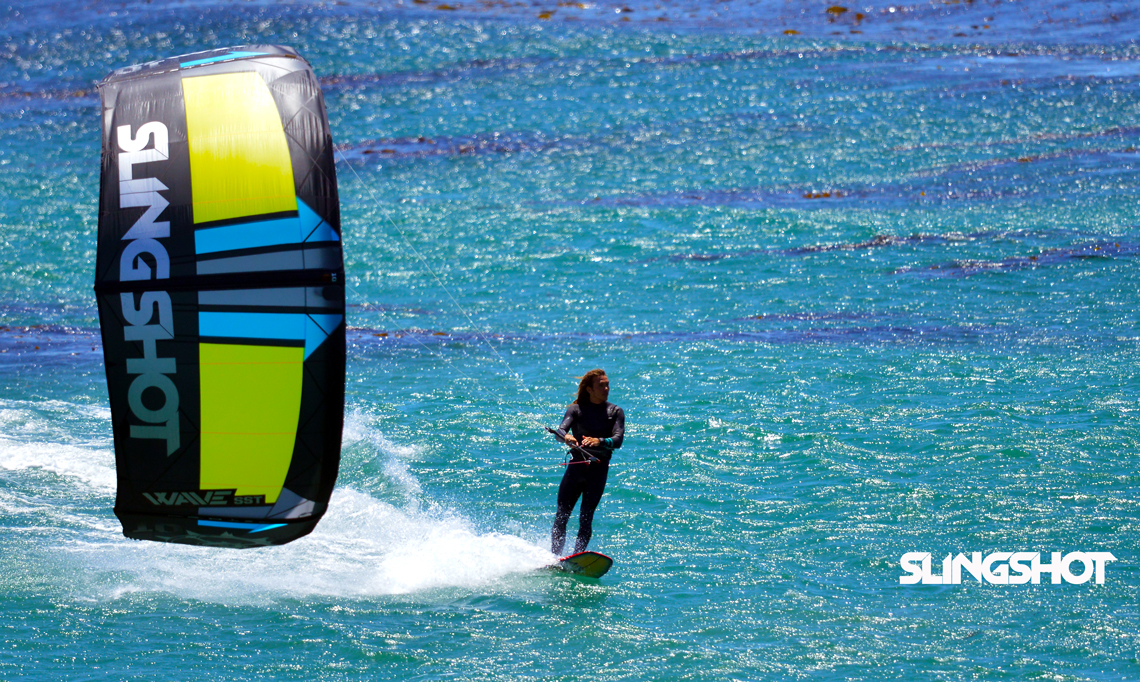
x=585 y=382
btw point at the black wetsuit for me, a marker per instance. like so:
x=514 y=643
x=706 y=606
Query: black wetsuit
x=584 y=477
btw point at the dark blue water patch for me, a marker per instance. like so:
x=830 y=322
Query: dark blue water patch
x=51 y=344
x=1058 y=162
x=1046 y=176
x=628 y=138
x=385 y=308
x=1041 y=84
x=795 y=197
x=844 y=316
x=1094 y=251
x=850 y=197
x=885 y=240
x=82 y=93
x=905 y=334
x=1114 y=131
x=459 y=72
x=465 y=71
x=876 y=242
x=1024 y=177
x=462 y=145
x=1097 y=249
x=776 y=54
x=462 y=72
x=952 y=73
x=490 y=68
x=62 y=316
x=23 y=347
x=47 y=344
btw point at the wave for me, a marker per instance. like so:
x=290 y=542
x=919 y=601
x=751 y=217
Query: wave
x=365 y=546
x=53 y=436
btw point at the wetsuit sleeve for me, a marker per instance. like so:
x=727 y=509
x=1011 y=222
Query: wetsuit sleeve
x=567 y=420
x=619 y=428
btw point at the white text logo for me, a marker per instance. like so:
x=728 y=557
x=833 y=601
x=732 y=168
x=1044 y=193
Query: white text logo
x=1006 y=568
x=142 y=238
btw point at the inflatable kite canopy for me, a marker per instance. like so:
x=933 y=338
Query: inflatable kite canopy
x=220 y=283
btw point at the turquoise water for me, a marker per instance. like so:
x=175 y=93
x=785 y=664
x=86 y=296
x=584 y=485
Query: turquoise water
x=863 y=289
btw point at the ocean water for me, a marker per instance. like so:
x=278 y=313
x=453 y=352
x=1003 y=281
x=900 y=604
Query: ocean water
x=864 y=281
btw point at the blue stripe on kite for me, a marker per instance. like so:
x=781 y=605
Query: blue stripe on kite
x=248 y=235
x=221 y=57
x=307 y=226
x=311 y=329
x=281 y=326
x=313 y=227
x=318 y=329
x=251 y=527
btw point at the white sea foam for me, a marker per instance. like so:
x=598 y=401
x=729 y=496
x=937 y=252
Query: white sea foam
x=44 y=436
x=394 y=456
x=364 y=546
x=91 y=466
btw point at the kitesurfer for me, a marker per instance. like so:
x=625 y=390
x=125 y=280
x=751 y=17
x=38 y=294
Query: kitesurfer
x=593 y=427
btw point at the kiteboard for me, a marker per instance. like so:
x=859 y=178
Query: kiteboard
x=585 y=564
